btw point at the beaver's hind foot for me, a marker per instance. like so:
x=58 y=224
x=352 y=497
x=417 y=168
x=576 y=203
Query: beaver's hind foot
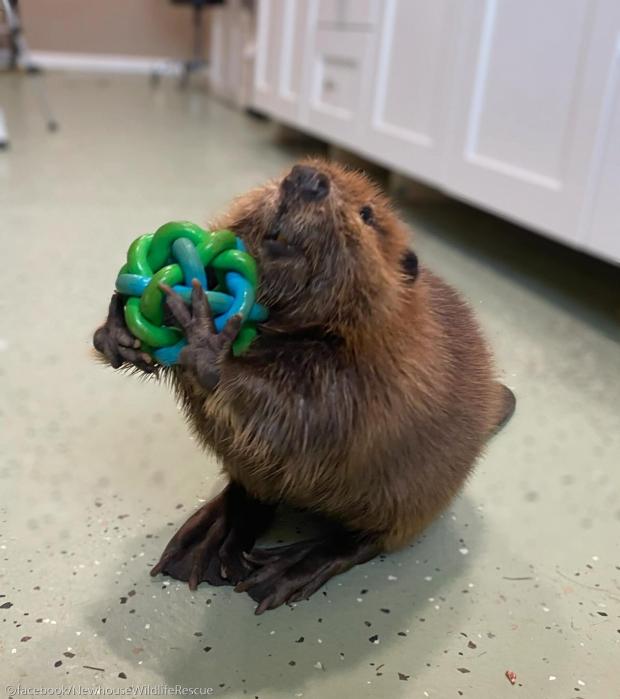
x=210 y=546
x=286 y=574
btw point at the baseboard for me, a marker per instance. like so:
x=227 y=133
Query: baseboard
x=103 y=63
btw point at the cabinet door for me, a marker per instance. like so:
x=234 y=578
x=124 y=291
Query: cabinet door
x=522 y=119
x=405 y=121
x=282 y=30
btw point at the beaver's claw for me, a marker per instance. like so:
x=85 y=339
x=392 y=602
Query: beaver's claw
x=211 y=545
x=286 y=574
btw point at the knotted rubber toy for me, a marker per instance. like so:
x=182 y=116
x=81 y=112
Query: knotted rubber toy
x=175 y=254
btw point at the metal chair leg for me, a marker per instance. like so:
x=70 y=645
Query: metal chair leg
x=198 y=60
x=20 y=56
x=4 y=134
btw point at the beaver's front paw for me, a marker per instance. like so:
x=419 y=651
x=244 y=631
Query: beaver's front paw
x=114 y=341
x=206 y=349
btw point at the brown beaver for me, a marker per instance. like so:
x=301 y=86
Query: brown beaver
x=367 y=396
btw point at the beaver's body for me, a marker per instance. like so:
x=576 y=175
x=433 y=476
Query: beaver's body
x=382 y=440
x=367 y=397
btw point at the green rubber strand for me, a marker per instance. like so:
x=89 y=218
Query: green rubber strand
x=149 y=333
x=161 y=247
x=244 y=339
x=137 y=262
x=237 y=261
x=152 y=301
x=215 y=244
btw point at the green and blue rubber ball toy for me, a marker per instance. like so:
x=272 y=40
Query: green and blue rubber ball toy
x=176 y=254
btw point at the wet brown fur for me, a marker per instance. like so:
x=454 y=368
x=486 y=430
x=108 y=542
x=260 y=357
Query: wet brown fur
x=369 y=394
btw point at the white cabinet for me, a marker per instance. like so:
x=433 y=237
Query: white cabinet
x=510 y=104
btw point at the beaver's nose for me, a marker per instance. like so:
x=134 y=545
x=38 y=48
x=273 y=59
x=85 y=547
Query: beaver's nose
x=307 y=182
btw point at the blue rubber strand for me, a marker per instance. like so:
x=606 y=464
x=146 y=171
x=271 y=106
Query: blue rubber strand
x=131 y=284
x=218 y=301
x=186 y=255
x=243 y=299
x=167 y=356
x=258 y=313
x=135 y=284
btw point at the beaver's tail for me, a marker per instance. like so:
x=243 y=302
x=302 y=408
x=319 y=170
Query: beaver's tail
x=508 y=408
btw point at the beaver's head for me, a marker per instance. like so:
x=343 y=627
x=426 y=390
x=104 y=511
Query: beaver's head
x=329 y=247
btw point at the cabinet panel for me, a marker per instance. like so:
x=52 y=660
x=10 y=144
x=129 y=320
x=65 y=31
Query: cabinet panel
x=331 y=11
x=348 y=12
x=269 y=43
x=338 y=82
x=406 y=118
x=294 y=44
x=363 y=11
x=601 y=227
x=282 y=29
x=526 y=93
x=525 y=82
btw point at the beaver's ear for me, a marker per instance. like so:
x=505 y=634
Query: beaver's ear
x=409 y=265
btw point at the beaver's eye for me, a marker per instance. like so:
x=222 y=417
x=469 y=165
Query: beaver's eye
x=366 y=214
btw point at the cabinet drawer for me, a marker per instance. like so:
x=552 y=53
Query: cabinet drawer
x=338 y=71
x=338 y=82
x=358 y=14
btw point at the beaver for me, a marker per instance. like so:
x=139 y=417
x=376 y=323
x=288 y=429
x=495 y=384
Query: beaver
x=367 y=396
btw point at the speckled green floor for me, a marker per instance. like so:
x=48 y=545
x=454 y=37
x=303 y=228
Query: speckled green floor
x=523 y=572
